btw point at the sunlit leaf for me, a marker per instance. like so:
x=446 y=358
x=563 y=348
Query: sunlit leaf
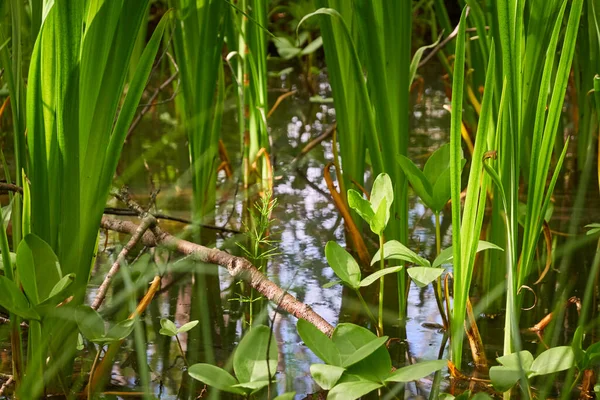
x=553 y=360
x=393 y=249
x=423 y=276
x=319 y=343
x=352 y=390
x=376 y=275
x=416 y=371
x=326 y=376
x=215 y=377
x=343 y=264
x=250 y=358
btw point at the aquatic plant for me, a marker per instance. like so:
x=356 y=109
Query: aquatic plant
x=357 y=362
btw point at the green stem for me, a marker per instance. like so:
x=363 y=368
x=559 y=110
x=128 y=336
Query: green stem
x=182 y=352
x=381 y=284
x=368 y=310
x=438 y=283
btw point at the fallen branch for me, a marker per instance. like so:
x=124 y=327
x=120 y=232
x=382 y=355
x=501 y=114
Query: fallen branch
x=236 y=266
x=147 y=222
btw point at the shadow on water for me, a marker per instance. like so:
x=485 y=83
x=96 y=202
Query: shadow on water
x=305 y=220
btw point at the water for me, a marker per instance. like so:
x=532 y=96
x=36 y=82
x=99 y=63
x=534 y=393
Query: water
x=155 y=156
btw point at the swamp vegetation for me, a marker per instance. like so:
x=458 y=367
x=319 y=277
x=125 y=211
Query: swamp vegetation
x=295 y=199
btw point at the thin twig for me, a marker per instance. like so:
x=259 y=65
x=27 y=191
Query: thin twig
x=147 y=222
x=440 y=46
x=6 y=384
x=10 y=187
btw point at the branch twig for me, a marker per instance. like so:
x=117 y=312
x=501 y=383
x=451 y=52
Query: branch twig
x=236 y=266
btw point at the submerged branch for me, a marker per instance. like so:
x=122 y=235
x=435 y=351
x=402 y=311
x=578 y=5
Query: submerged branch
x=236 y=266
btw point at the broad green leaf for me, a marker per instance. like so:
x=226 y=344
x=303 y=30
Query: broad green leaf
x=397 y=251
x=376 y=275
x=120 y=331
x=417 y=180
x=423 y=276
x=504 y=378
x=168 y=327
x=553 y=360
x=381 y=218
x=312 y=46
x=90 y=323
x=441 y=191
x=365 y=351
x=382 y=189
x=326 y=376
x=416 y=371
x=437 y=163
x=250 y=358
x=348 y=338
x=360 y=205
x=14 y=300
x=215 y=377
x=446 y=255
x=38 y=268
x=61 y=285
x=352 y=390
x=187 y=327
x=343 y=264
x=520 y=360
x=319 y=343
x=286 y=48
x=286 y=396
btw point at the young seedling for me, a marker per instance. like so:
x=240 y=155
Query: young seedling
x=376 y=212
x=168 y=328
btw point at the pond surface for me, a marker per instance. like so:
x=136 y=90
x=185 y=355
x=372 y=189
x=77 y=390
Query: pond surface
x=304 y=220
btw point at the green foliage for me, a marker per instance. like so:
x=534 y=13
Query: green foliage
x=516 y=365
x=254 y=364
x=432 y=184
x=346 y=268
x=376 y=211
x=356 y=361
x=92 y=326
x=168 y=327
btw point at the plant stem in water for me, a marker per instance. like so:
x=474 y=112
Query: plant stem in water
x=381 y=266
x=369 y=313
x=181 y=351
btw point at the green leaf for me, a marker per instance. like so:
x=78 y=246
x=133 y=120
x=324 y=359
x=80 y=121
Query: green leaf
x=168 y=327
x=312 y=46
x=446 y=255
x=343 y=264
x=414 y=64
x=286 y=48
x=553 y=360
x=365 y=351
x=252 y=353
x=38 y=268
x=593 y=228
x=423 y=276
x=416 y=371
x=186 y=327
x=520 y=360
x=376 y=275
x=90 y=323
x=326 y=376
x=504 y=378
x=352 y=390
x=381 y=218
x=61 y=285
x=120 y=331
x=382 y=189
x=437 y=164
x=417 y=180
x=395 y=250
x=361 y=205
x=14 y=300
x=319 y=343
x=441 y=191
x=348 y=338
x=215 y=377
